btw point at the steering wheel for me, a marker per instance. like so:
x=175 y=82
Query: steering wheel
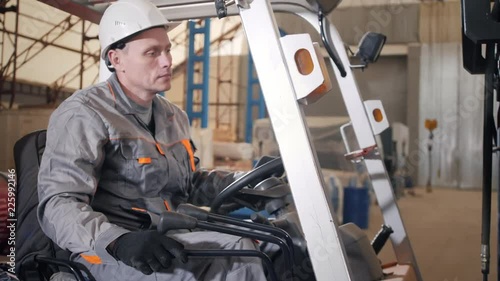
x=253 y=177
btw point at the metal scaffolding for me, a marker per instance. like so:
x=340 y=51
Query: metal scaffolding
x=223 y=107
x=198 y=67
x=87 y=61
x=17 y=58
x=11 y=64
x=254 y=99
x=226 y=106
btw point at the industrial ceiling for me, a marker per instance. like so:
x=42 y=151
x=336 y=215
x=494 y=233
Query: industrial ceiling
x=92 y=10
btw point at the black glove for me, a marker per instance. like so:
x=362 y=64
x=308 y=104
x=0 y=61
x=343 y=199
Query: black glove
x=147 y=251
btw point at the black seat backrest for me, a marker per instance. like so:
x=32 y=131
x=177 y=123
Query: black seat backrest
x=30 y=239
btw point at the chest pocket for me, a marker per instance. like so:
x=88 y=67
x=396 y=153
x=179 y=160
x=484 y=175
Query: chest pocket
x=144 y=172
x=153 y=170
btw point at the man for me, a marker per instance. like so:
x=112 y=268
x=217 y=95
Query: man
x=118 y=154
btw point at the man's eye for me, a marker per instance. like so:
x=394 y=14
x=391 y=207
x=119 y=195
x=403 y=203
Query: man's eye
x=151 y=53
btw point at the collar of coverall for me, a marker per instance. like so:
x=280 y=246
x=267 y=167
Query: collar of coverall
x=123 y=102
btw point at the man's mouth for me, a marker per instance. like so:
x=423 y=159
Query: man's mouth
x=167 y=75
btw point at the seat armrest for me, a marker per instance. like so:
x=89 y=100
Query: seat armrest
x=77 y=269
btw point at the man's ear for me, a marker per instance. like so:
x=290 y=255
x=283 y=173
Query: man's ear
x=115 y=60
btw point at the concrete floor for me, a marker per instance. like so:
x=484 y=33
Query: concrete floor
x=445 y=231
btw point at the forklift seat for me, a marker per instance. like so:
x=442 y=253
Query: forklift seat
x=38 y=258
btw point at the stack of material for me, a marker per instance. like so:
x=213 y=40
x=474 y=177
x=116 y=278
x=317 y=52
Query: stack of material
x=233 y=150
x=217 y=149
x=202 y=139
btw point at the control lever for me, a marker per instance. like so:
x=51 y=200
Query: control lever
x=206 y=219
x=381 y=238
x=193 y=211
x=258 y=218
x=204 y=215
x=173 y=220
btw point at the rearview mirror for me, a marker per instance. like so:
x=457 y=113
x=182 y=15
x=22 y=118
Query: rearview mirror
x=370 y=46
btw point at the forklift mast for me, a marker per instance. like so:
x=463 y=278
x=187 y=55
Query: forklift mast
x=285 y=93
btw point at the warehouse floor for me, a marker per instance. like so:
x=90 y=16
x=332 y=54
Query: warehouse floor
x=445 y=231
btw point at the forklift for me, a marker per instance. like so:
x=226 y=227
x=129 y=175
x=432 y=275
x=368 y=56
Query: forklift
x=292 y=74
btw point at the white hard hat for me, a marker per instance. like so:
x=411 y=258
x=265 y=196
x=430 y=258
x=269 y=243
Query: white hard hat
x=125 y=18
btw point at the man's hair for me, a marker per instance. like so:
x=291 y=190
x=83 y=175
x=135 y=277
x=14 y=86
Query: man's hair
x=120 y=45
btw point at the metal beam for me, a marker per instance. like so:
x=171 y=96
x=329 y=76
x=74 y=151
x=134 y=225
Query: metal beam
x=28 y=88
x=91 y=10
x=44 y=42
x=303 y=170
x=87 y=12
x=189 y=9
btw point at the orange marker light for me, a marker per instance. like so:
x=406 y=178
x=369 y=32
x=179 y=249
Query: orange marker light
x=304 y=62
x=377 y=114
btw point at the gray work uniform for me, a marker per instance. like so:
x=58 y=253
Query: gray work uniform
x=105 y=173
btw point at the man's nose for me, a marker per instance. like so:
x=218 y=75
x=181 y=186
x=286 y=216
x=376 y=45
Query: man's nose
x=165 y=59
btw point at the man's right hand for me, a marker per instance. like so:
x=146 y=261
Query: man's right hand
x=147 y=251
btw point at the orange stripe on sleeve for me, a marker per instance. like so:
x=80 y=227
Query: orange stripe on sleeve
x=92 y=259
x=189 y=149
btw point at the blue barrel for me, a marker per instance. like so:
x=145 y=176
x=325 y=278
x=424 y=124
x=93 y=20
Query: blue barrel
x=356 y=206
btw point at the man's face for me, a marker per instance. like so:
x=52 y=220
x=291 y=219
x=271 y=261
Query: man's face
x=145 y=64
